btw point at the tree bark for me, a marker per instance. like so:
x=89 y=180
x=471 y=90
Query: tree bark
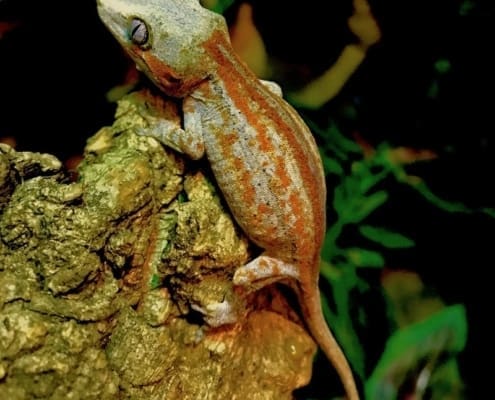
x=116 y=283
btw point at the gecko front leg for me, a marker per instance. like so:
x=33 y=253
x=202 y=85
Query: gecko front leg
x=162 y=121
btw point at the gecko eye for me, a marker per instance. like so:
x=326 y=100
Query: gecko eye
x=139 y=32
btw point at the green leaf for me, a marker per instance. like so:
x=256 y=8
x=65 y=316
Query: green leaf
x=385 y=237
x=489 y=211
x=349 y=111
x=342 y=327
x=155 y=281
x=182 y=197
x=433 y=90
x=467 y=7
x=219 y=6
x=329 y=272
x=333 y=133
x=364 y=206
x=442 y=66
x=334 y=140
x=365 y=258
x=446 y=382
x=332 y=166
x=406 y=351
x=340 y=202
x=449 y=206
x=367 y=179
x=330 y=249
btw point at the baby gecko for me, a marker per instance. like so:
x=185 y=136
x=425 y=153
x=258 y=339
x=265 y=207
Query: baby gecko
x=262 y=154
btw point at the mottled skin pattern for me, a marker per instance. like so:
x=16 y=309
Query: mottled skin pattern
x=262 y=154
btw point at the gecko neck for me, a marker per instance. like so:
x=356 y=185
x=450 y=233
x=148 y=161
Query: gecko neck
x=229 y=70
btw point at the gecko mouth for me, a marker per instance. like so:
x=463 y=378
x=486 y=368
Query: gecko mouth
x=170 y=81
x=163 y=76
x=167 y=82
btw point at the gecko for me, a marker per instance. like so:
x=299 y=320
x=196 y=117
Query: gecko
x=263 y=156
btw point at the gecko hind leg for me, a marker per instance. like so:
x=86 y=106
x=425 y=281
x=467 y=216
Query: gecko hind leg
x=262 y=271
x=272 y=87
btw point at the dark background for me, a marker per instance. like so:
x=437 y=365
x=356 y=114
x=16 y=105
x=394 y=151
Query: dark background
x=57 y=65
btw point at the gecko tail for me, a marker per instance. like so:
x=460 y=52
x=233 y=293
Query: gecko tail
x=328 y=344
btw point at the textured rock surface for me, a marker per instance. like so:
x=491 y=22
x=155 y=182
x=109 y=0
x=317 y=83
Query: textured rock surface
x=118 y=284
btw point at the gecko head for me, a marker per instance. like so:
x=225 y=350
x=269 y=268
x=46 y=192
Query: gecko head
x=166 y=39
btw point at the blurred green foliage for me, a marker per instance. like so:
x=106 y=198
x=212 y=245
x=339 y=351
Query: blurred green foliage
x=218 y=6
x=466 y=7
x=425 y=349
x=416 y=349
x=425 y=336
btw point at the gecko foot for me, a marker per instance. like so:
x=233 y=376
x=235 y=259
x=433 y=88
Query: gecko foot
x=217 y=314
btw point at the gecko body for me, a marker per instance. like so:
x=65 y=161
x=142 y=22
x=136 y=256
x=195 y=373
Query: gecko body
x=263 y=156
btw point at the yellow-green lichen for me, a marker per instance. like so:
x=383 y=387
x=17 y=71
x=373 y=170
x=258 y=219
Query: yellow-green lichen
x=119 y=285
